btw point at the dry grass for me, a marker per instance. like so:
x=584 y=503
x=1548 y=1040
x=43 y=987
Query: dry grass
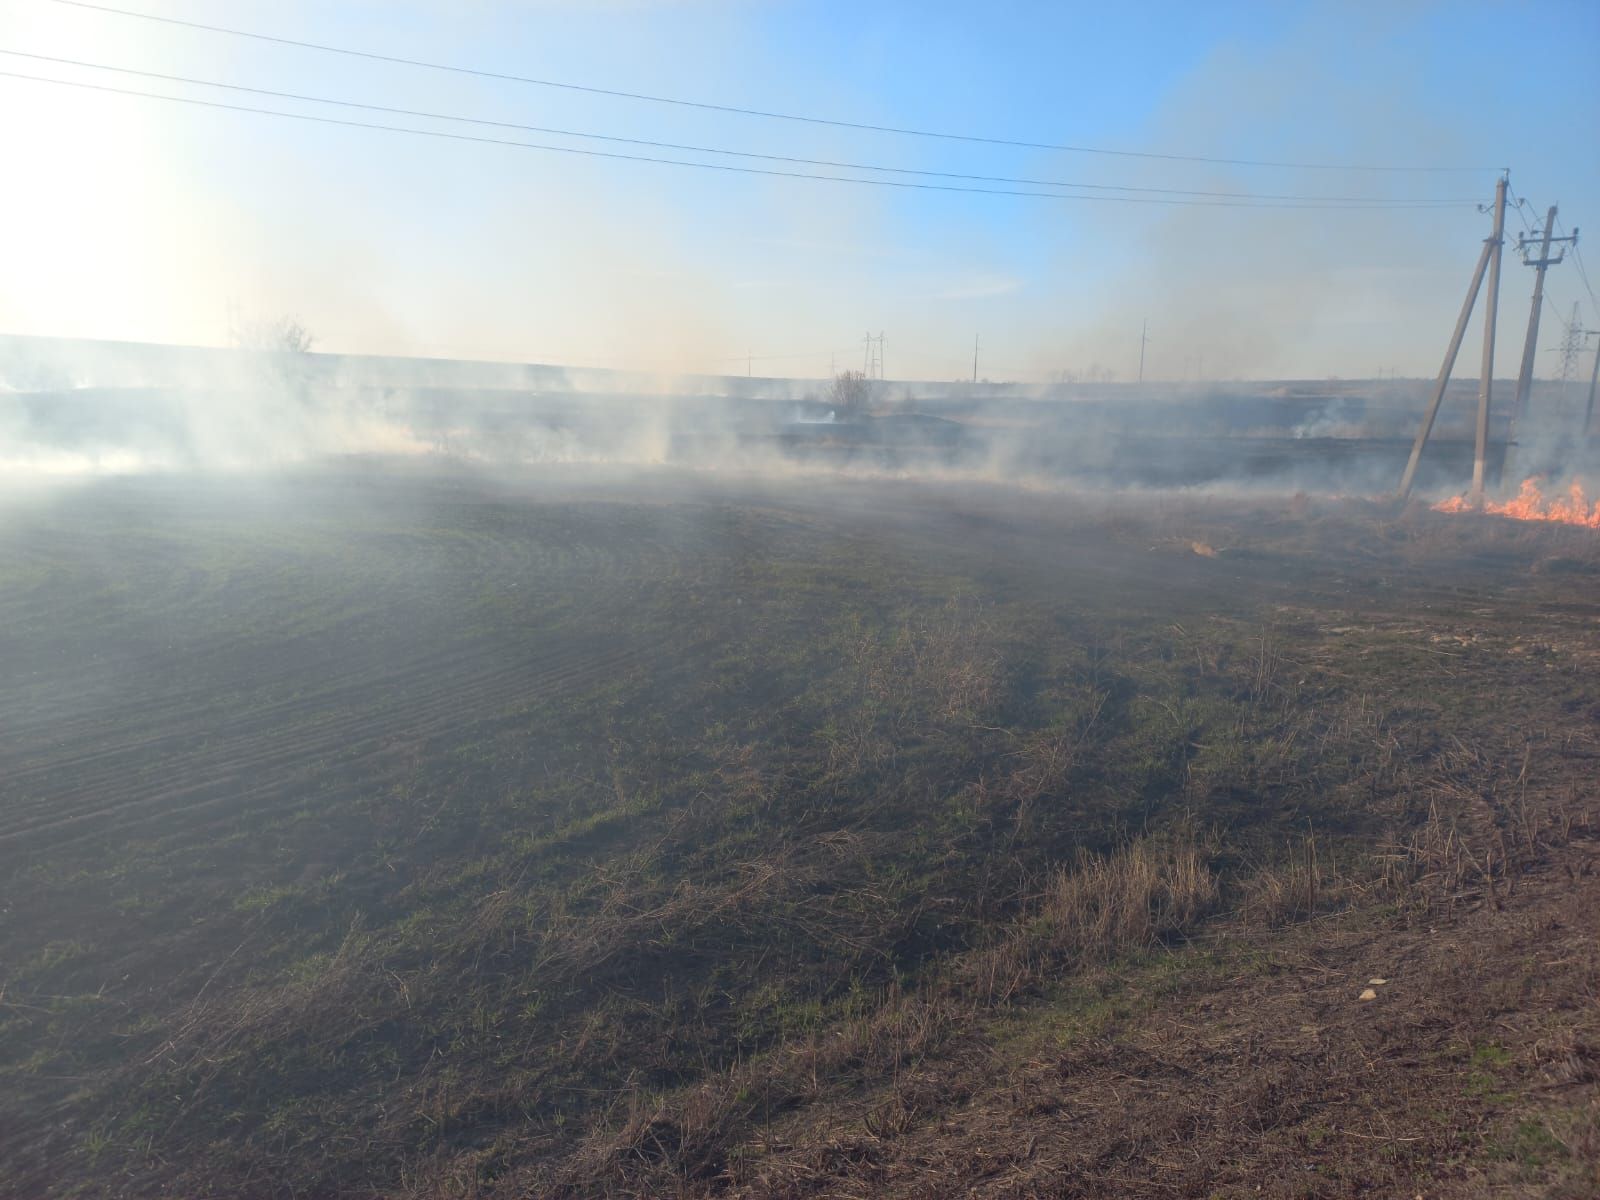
x=1093 y=910
x=1293 y=890
x=1100 y=907
x=766 y=913
x=656 y=1143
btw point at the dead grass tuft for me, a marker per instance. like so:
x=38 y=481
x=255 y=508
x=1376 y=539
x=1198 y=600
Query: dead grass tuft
x=1101 y=907
x=1290 y=891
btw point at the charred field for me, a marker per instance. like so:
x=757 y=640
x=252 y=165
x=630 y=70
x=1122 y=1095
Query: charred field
x=402 y=832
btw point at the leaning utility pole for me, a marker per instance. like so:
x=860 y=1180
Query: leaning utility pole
x=1490 y=251
x=1144 y=329
x=1530 y=344
x=1594 y=377
x=1491 y=308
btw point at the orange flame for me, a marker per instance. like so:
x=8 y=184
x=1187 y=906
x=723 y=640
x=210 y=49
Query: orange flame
x=1530 y=505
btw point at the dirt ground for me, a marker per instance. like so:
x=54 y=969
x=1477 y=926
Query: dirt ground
x=1473 y=1071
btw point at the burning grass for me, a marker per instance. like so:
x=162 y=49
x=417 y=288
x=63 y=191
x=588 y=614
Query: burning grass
x=1530 y=504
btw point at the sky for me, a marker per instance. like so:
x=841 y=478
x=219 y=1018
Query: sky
x=132 y=218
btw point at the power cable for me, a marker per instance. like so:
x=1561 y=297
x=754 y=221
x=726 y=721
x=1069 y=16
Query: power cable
x=774 y=357
x=753 y=112
x=726 y=167
x=1521 y=209
x=1583 y=273
x=811 y=162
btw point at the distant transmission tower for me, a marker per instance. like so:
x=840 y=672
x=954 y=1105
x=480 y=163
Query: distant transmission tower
x=1571 y=347
x=872 y=356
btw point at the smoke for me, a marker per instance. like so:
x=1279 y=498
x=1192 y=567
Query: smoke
x=74 y=408
x=67 y=407
x=157 y=218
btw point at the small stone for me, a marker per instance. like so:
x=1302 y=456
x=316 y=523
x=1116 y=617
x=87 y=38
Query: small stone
x=1377 y=982
x=1369 y=994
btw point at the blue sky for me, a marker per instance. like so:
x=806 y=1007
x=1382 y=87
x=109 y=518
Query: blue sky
x=153 y=221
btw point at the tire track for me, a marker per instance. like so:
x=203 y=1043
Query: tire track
x=284 y=759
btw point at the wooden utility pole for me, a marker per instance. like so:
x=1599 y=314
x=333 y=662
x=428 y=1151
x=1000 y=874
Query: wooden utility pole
x=1144 y=330
x=1443 y=380
x=1531 y=342
x=1491 y=307
x=1594 y=377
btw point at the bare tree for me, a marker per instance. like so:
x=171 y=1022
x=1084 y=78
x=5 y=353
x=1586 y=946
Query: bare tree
x=849 y=392
x=280 y=335
x=280 y=348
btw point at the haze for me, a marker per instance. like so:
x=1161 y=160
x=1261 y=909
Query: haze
x=528 y=674
x=132 y=218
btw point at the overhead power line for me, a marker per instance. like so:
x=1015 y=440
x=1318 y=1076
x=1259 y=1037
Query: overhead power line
x=812 y=354
x=1583 y=273
x=726 y=167
x=1519 y=205
x=750 y=154
x=756 y=112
